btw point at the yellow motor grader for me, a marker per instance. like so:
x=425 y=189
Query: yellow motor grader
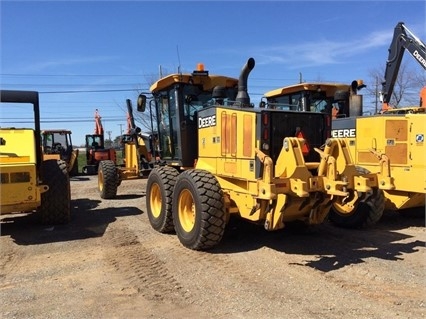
x=29 y=183
x=395 y=137
x=391 y=143
x=218 y=155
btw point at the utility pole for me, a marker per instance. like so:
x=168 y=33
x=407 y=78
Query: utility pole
x=109 y=134
x=376 y=94
x=121 y=129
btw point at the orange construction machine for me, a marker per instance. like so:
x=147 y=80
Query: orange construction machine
x=95 y=148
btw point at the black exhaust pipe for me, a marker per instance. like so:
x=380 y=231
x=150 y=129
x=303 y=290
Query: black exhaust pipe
x=242 y=95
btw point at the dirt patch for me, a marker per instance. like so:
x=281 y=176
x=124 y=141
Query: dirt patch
x=109 y=263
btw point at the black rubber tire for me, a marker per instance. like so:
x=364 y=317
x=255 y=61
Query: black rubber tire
x=365 y=214
x=198 y=210
x=55 y=203
x=107 y=179
x=159 y=190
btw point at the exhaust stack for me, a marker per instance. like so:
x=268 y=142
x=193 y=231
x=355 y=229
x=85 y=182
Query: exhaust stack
x=242 y=95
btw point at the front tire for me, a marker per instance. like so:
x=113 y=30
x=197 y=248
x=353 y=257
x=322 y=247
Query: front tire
x=107 y=179
x=159 y=190
x=55 y=203
x=198 y=210
x=365 y=214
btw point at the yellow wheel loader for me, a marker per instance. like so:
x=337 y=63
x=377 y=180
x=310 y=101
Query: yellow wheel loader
x=217 y=155
x=29 y=183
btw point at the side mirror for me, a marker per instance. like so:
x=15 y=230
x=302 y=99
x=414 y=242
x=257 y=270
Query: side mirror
x=141 y=103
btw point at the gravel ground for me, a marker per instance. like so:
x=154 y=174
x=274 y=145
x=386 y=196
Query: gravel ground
x=109 y=263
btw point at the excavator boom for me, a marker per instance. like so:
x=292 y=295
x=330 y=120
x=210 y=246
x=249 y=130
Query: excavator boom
x=403 y=39
x=99 y=130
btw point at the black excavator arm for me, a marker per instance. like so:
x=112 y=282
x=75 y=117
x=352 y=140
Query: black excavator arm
x=403 y=39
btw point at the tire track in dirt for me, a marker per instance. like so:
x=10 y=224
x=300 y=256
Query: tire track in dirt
x=142 y=269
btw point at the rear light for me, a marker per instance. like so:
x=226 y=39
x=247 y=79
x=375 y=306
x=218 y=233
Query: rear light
x=265 y=131
x=265 y=118
x=265 y=134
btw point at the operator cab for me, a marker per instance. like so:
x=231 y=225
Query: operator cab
x=95 y=141
x=177 y=99
x=310 y=97
x=57 y=142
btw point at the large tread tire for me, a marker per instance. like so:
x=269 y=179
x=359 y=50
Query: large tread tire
x=159 y=190
x=107 y=179
x=55 y=203
x=198 y=210
x=365 y=214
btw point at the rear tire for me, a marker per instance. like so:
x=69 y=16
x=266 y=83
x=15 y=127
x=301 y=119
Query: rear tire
x=198 y=210
x=365 y=214
x=55 y=203
x=159 y=190
x=107 y=179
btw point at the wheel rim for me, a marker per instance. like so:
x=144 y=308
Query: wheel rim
x=155 y=200
x=186 y=209
x=100 y=180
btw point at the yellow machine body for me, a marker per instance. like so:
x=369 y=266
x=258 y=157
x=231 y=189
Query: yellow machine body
x=19 y=189
x=275 y=192
x=397 y=134
x=221 y=156
x=29 y=184
x=132 y=151
x=402 y=139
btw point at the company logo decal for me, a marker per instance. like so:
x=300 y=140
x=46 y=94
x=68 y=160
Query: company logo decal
x=207 y=121
x=347 y=132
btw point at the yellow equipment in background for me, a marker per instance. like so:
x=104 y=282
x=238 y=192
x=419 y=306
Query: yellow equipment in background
x=390 y=144
x=29 y=183
x=57 y=144
x=135 y=161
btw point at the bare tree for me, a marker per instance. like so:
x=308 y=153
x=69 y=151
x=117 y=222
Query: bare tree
x=407 y=86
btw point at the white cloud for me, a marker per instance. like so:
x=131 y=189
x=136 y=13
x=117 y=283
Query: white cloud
x=53 y=64
x=322 y=52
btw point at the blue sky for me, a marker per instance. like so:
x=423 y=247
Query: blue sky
x=105 y=51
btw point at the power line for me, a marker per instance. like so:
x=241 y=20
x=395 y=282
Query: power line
x=86 y=120
x=89 y=91
x=69 y=75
